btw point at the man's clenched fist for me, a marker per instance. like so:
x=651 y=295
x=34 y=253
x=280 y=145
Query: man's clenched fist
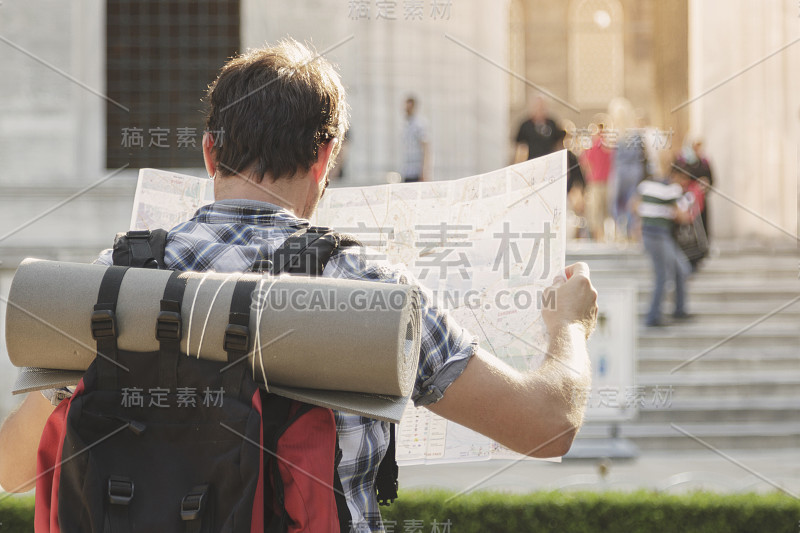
x=575 y=301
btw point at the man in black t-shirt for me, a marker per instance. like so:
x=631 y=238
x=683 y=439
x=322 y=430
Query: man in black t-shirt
x=537 y=136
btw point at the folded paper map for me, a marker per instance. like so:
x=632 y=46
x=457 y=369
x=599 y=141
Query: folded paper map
x=485 y=247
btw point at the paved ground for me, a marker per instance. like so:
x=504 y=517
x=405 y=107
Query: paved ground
x=670 y=472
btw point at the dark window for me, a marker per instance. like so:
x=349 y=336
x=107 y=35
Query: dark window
x=160 y=57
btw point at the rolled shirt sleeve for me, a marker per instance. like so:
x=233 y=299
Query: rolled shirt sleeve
x=105 y=258
x=445 y=347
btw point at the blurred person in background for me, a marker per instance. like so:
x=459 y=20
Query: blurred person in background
x=538 y=135
x=416 y=146
x=596 y=161
x=576 y=183
x=659 y=205
x=628 y=167
x=653 y=143
x=691 y=235
x=339 y=170
x=692 y=159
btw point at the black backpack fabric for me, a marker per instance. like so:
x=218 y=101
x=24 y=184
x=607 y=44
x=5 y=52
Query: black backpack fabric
x=306 y=252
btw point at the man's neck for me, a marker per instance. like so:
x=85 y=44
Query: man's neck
x=282 y=193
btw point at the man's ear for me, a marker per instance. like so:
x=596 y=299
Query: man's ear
x=209 y=154
x=319 y=168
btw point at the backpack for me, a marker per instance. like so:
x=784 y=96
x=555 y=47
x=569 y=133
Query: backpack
x=175 y=443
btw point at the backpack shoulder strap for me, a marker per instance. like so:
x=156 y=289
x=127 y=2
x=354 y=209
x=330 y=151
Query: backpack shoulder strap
x=386 y=480
x=386 y=483
x=346 y=241
x=140 y=248
x=305 y=252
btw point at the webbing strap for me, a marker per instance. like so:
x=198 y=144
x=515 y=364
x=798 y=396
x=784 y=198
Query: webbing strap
x=140 y=248
x=291 y=248
x=104 y=327
x=141 y=254
x=120 y=494
x=168 y=331
x=386 y=479
x=305 y=252
x=345 y=519
x=237 y=336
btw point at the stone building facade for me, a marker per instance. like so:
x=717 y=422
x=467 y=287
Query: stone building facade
x=463 y=59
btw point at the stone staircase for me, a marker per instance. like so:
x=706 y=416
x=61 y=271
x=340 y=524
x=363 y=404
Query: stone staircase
x=743 y=394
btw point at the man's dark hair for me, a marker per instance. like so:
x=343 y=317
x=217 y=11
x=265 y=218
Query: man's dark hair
x=275 y=107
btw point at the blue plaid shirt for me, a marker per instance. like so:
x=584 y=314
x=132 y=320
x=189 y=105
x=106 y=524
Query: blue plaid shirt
x=228 y=236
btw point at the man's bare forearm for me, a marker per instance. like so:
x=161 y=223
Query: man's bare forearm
x=537 y=412
x=568 y=369
x=19 y=442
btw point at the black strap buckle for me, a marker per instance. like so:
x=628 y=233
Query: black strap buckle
x=104 y=324
x=168 y=326
x=138 y=234
x=192 y=503
x=319 y=229
x=120 y=490
x=262 y=265
x=237 y=338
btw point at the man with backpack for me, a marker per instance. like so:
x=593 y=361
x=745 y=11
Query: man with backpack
x=283 y=112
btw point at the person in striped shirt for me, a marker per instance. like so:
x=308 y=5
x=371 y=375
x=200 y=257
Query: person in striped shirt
x=660 y=207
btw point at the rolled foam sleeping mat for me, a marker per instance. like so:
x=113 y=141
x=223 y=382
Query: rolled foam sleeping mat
x=313 y=333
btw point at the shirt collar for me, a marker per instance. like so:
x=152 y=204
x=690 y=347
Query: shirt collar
x=251 y=212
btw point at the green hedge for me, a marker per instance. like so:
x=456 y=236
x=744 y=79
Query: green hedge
x=594 y=512
x=567 y=512
x=16 y=513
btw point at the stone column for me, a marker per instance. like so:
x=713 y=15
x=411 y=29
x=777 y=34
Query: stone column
x=745 y=103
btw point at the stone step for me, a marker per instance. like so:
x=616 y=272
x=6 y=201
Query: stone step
x=755 y=441
x=694 y=328
x=637 y=267
x=722 y=436
x=722 y=359
x=787 y=265
x=728 y=280
x=723 y=317
x=751 y=247
x=690 y=386
x=698 y=337
x=726 y=293
x=720 y=250
x=723 y=352
x=719 y=264
x=634 y=254
x=713 y=364
x=735 y=310
x=695 y=391
x=745 y=393
x=715 y=410
x=733 y=321
x=644 y=277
